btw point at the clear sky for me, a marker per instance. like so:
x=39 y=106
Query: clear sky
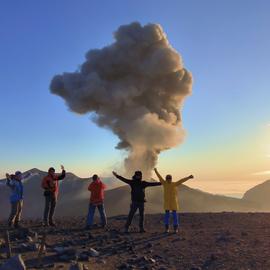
x=225 y=44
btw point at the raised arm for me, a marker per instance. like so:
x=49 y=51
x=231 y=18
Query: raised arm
x=9 y=182
x=62 y=175
x=152 y=184
x=181 y=181
x=159 y=176
x=127 y=181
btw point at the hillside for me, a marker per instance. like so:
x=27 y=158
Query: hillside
x=74 y=198
x=260 y=195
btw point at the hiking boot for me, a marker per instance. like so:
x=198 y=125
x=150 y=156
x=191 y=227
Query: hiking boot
x=167 y=230
x=104 y=226
x=45 y=224
x=52 y=224
x=142 y=230
x=175 y=229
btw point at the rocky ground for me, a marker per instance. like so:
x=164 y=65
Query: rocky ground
x=205 y=241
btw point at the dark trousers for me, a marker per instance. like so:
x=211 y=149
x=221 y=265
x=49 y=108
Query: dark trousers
x=133 y=208
x=91 y=213
x=16 y=212
x=50 y=204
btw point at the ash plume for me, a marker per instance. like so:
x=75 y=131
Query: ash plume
x=135 y=87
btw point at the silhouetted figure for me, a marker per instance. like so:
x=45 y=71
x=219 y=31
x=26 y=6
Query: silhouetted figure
x=51 y=189
x=137 y=197
x=96 y=200
x=170 y=191
x=16 y=197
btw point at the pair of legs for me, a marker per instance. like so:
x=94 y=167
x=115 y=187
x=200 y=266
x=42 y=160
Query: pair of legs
x=133 y=208
x=50 y=204
x=91 y=214
x=15 y=214
x=167 y=219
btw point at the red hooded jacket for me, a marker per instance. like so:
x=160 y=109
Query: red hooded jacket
x=97 y=192
x=51 y=183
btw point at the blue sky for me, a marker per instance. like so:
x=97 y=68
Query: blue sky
x=225 y=44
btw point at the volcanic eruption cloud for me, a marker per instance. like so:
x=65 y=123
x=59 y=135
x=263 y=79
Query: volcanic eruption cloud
x=135 y=87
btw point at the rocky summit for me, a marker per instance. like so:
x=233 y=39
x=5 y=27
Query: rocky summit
x=204 y=241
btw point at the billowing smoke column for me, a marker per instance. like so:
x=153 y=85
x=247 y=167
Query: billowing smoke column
x=135 y=87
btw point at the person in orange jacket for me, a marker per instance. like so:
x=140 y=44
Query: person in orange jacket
x=96 y=188
x=51 y=189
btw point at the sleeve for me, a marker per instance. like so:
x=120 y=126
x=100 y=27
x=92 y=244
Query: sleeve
x=46 y=184
x=181 y=181
x=10 y=183
x=127 y=181
x=61 y=176
x=160 y=178
x=152 y=184
x=90 y=187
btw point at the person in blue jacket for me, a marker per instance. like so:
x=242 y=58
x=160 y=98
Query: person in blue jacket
x=16 y=197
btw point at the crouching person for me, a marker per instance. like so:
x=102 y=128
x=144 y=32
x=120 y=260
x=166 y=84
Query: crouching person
x=50 y=184
x=16 y=197
x=96 y=188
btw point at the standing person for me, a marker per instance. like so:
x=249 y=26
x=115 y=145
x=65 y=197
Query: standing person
x=96 y=188
x=16 y=197
x=137 y=197
x=51 y=189
x=170 y=192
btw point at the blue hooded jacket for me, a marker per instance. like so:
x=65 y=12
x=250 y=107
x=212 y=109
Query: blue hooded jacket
x=16 y=190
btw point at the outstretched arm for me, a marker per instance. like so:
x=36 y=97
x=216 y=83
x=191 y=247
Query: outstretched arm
x=127 y=181
x=63 y=174
x=152 y=184
x=159 y=176
x=181 y=181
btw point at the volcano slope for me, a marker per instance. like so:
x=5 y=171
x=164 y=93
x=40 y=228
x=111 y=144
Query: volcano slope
x=205 y=241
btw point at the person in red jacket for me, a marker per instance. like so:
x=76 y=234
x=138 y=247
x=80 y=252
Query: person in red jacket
x=51 y=189
x=96 y=188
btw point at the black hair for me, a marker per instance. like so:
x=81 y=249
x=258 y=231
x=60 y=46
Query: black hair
x=137 y=173
x=51 y=169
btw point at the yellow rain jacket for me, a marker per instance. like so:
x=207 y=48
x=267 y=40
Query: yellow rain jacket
x=170 y=193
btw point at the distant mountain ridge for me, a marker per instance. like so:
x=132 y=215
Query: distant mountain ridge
x=74 y=198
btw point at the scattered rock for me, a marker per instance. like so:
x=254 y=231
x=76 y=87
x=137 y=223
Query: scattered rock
x=59 y=250
x=29 y=239
x=13 y=263
x=101 y=261
x=209 y=261
x=30 y=247
x=76 y=266
x=93 y=252
x=125 y=266
x=149 y=245
x=83 y=256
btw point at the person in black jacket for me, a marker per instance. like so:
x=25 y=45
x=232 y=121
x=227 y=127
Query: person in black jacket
x=137 y=197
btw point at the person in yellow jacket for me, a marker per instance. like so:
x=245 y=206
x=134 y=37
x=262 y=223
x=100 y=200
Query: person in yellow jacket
x=170 y=191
